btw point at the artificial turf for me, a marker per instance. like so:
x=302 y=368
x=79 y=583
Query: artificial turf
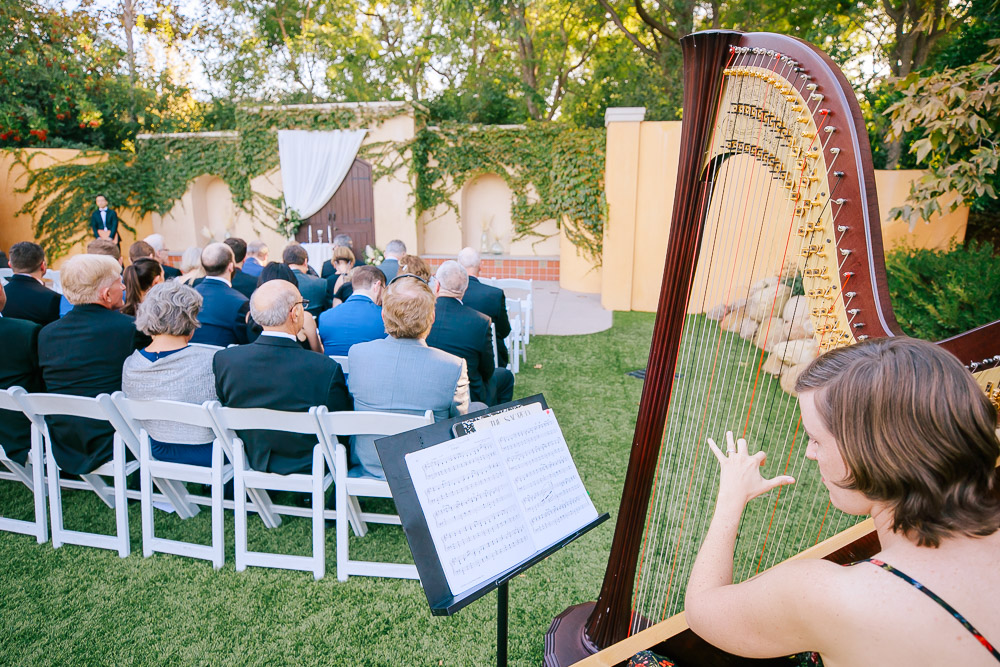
x=78 y=605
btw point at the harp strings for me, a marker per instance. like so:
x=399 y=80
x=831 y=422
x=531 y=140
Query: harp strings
x=678 y=514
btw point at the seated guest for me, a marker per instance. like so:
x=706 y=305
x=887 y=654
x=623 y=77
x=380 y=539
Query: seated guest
x=27 y=296
x=3 y=260
x=18 y=368
x=82 y=355
x=243 y=283
x=139 y=277
x=338 y=284
x=297 y=379
x=158 y=245
x=308 y=335
x=488 y=300
x=401 y=373
x=414 y=265
x=223 y=317
x=359 y=319
x=339 y=241
x=170 y=369
x=465 y=333
x=393 y=251
x=191 y=266
x=140 y=250
x=105 y=247
x=311 y=287
x=256 y=258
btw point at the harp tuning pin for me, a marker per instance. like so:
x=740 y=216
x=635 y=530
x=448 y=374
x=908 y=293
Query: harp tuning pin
x=862 y=337
x=834 y=151
x=845 y=252
x=816 y=96
x=842 y=228
x=824 y=112
x=839 y=202
x=853 y=311
x=838 y=174
x=850 y=295
x=803 y=75
x=830 y=129
x=811 y=86
x=858 y=325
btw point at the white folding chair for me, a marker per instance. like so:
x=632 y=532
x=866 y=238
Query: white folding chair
x=39 y=406
x=5 y=275
x=348 y=489
x=230 y=420
x=342 y=360
x=493 y=336
x=515 y=340
x=55 y=278
x=31 y=474
x=527 y=300
x=134 y=413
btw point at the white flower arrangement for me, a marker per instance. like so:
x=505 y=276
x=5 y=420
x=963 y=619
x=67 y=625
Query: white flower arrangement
x=373 y=255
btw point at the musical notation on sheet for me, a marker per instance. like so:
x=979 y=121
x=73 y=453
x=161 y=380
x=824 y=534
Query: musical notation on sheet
x=497 y=496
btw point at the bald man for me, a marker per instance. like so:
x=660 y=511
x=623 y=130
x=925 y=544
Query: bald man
x=298 y=379
x=465 y=332
x=223 y=316
x=488 y=300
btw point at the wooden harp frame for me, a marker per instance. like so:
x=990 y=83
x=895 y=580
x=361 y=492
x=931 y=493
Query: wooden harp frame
x=856 y=277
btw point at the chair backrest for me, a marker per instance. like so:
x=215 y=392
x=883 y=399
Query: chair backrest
x=42 y=405
x=514 y=284
x=342 y=360
x=55 y=278
x=8 y=400
x=172 y=411
x=492 y=282
x=263 y=419
x=370 y=423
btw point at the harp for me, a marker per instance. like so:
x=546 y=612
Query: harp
x=775 y=210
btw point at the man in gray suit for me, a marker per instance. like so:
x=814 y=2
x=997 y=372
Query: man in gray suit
x=401 y=373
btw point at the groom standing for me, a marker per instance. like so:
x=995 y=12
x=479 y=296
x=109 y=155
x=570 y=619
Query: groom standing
x=104 y=221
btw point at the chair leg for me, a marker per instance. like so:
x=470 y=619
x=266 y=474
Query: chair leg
x=38 y=481
x=240 y=495
x=121 y=503
x=146 y=498
x=343 y=512
x=218 y=541
x=319 y=522
x=55 y=496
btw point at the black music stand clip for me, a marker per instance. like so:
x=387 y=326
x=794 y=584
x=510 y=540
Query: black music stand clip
x=440 y=599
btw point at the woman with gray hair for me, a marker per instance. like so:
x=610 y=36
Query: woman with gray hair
x=170 y=369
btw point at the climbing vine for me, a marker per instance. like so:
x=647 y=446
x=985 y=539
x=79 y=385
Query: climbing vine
x=555 y=171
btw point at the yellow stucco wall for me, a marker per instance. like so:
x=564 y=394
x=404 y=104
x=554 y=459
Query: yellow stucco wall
x=15 y=228
x=640 y=172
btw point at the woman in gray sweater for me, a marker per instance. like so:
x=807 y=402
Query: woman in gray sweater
x=170 y=369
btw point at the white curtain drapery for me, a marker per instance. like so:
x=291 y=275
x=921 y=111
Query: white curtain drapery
x=314 y=164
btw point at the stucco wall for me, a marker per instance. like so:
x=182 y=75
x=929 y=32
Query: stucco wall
x=641 y=170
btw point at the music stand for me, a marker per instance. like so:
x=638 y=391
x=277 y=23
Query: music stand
x=440 y=599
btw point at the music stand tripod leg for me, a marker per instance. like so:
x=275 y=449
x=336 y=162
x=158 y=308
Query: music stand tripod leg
x=502 y=600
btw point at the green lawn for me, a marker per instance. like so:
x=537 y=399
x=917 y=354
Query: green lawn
x=80 y=605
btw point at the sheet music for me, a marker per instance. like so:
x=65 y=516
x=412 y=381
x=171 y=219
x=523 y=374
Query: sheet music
x=496 y=497
x=474 y=518
x=545 y=478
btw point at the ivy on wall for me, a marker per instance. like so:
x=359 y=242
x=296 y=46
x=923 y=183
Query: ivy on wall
x=555 y=172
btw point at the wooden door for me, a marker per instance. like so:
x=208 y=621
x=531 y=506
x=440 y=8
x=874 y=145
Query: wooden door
x=351 y=210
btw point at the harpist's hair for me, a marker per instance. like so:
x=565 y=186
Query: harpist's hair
x=915 y=431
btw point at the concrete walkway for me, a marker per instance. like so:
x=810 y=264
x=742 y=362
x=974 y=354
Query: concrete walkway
x=560 y=312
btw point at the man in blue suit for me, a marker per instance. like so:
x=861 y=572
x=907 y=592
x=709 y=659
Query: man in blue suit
x=359 y=319
x=223 y=315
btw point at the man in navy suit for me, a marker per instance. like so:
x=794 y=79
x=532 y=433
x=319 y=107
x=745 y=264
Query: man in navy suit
x=488 y=300
x=256 y=258
x=394 y=251
x=298 y=379
x=243 y=282
x=313 y=288
x=82 y=355
x=465 y=332
x=359 y=319
x=104 y=221
x=223 y=315
x=27 y=296
x=18 y=368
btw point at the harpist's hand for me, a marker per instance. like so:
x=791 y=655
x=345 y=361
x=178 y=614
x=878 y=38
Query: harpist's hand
x=741 y=481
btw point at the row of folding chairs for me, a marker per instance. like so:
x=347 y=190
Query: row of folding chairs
x=52 y=278
x=229 y=462
x=520 y=310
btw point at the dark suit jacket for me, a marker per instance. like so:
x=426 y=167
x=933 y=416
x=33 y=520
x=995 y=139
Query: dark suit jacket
x=314 y=290
x=296 y=380
x=82 y=354
x=28 y=299
x=223 y=315
x=169 y=272
x=18 y=368
x=389 y=267
x=244 y=283
x=111 y=223
x=491 y=302
x=465 y=332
